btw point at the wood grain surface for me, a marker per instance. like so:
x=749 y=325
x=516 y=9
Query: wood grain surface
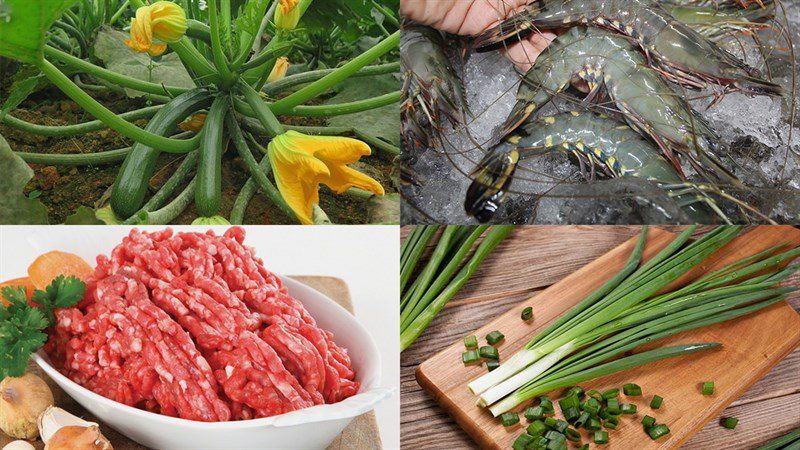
x=765 y=411
x=362 y=433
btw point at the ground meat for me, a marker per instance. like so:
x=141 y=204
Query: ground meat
x=192 y=325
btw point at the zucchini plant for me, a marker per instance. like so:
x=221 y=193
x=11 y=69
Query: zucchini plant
x=235 y=52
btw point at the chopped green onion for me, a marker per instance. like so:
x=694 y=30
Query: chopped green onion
x=561 y=426
x=470 y=356
x=471 y=341
x=613 y=406
x=489 y=352
x=522 y=441
x=572 y=435
x=550 y=422
x=576 y=391
x=628 y=408
x=730 y=422
x=554 y=435
x=534 y=413
x=584 y=447
x=594 y=393
x=593 y=424
x=537 y=428
x=509 y=419
x=611 y=423
x=611 y=393
x=566 y=402
x=592 y=406
x=572 y=413
x=656 y=402
x=492 y=364
x=494 y=337
x=648 y=421
x=547 y=404
x=708 y=388
x=657 y=431
x=582 y=420
x=601 y=437
x=527 y=314
x=539 y=443
x=632 y=389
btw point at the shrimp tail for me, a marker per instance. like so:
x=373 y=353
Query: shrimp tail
x=508 y=32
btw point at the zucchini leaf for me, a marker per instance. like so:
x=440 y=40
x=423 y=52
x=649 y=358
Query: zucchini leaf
x=15 y=207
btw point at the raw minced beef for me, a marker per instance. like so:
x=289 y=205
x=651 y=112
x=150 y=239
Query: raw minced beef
x=192 y=325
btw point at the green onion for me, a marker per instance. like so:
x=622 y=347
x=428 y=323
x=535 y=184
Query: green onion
x=527 y=314
x=601 y=437
x=470 y=356
x=554 y=435
x=628 y=408
x=648 y=421
x=612 y=406
x=492 y=364
x=561 y=426
x=730 y=422
x=572 y=435
x=547 y=404
x=534 y=413
x=632 y=389
x=572 y=413
x=658 y=431
x=656 y=402
x=521 y=443
x=550 y=422
x=611 y=423
x=537 y=428
x=783 y=442
x=584 y=447
x=494 y=337
x=509 y=419
x=708 y=388
x=582 y=420
x=448 y=268
x=611 y=393
x=593 y=424
x=570 y=401
x=576 y=391
x=489 y=352
x=470 y=341
x=592 y=406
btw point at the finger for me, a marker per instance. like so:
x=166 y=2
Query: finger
x=484 y=14
x=525 y=53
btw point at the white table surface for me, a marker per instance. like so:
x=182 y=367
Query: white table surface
x=367 y=258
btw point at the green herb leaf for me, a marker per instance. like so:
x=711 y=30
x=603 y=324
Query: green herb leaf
x=60 y=293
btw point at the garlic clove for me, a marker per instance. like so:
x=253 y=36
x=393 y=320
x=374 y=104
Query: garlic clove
x=19 y=445
x=73 y=437
x=55 y=418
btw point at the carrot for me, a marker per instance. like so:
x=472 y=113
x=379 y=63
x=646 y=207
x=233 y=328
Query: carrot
x=22 y=282
x=52 y=264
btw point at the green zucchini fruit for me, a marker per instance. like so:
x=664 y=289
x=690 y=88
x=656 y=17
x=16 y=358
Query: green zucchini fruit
x=133 y=177
x=208 y=191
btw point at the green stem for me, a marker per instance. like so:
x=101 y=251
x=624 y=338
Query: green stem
x=119 y=12
x=116 y=123
x=307 y=77
x=316 y=88
x=260 y=110
x=220 y=61
x=279 y=49
x=336 y=109
x=184 y=170
x=81 y=159
x=256 y=173
x=171 y=211
x=76 y=129
x=114 y=77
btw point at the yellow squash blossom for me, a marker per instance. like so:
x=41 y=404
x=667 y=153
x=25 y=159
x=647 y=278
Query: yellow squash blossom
x=287 y=15
x=165 y=21
x=194 y=123
x=279 y=69
x=301 y=163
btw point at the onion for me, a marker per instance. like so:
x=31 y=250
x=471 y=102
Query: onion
x=22 y=399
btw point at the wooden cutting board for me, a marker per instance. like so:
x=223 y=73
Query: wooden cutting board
x=751 y=346
x=362 y=433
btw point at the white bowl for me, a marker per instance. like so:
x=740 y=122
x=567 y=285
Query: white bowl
x=310 y=428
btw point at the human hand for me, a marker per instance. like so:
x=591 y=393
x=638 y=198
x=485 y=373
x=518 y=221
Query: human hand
x=473 y=17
